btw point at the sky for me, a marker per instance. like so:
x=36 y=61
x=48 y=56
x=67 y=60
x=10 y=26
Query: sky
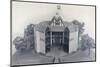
x=25 y=13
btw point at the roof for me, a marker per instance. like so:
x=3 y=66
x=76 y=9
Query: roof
x=42 y=26
x=57 y=28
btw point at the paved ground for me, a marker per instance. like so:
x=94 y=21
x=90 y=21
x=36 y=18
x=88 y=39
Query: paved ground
x=30 y=58
x=79 y=56
x=61 y=56
x=57 y=56
x=56 y=52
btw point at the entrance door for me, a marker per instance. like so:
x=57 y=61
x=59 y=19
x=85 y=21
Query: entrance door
x=57 y=40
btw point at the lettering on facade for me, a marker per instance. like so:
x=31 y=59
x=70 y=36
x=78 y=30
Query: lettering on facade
x=71 y=39
x=42 y=39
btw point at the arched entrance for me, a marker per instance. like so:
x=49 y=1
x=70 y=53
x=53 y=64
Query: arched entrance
x=57 y=40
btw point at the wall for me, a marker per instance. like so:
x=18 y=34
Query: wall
x=40 y=42
x=37 y=41
x=73 y=41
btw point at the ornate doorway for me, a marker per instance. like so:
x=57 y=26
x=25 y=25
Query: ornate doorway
x=57 y=40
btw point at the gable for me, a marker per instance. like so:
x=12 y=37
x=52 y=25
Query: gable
x=56 y=21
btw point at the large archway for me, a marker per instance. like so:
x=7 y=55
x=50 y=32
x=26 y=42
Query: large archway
x=57 y=40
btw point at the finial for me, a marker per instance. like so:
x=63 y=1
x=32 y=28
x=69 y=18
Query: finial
x=58 y=7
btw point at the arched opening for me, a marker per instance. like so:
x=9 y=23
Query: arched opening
x=47 y=40
x=57 y=40
x=66 y=40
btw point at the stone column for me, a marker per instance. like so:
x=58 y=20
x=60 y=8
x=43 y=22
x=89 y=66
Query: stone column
x=63 y=37
x=51 y=38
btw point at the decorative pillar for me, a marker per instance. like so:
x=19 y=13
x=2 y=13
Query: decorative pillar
x=63 y=37
x=51 y=38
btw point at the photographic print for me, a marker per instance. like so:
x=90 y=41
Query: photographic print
x=52 y=33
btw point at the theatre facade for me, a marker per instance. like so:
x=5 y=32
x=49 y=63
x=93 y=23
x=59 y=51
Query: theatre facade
x=56 y=33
